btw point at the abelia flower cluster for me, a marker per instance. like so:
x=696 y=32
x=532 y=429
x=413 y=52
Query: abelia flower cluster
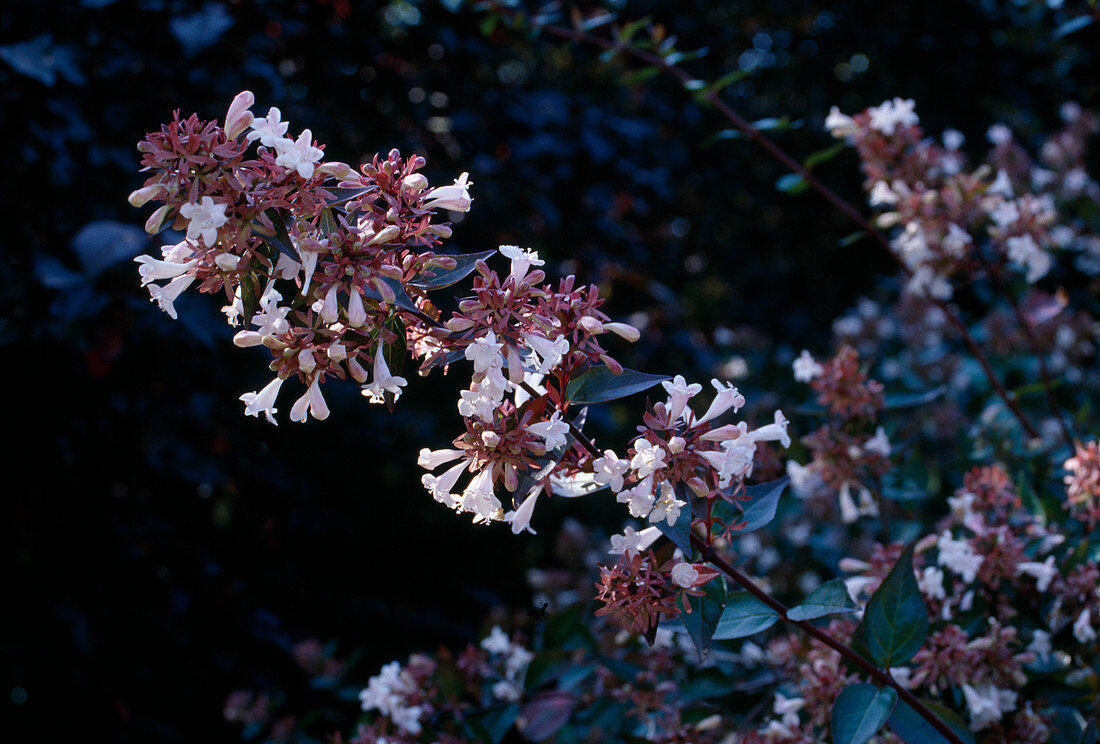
x=848 y=460
x=325 y=266
x=1083 y=483
x=951 y=222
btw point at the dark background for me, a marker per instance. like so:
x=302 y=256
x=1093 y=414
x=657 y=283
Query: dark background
x=162 y=549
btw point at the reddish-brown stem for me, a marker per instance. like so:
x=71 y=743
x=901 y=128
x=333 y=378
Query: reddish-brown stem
x=713 y=98
x=879 y=675
x=872 y=671
x=1044 y=371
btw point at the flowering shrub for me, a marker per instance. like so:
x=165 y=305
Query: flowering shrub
x=333 y=270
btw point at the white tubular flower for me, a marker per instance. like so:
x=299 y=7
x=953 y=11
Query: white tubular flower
x=999 y=134
x=152 y=270
x=550 y=352
x=239 y=118
x=734 y=460
x=1024 y=250
x=455 y=198
x=299 y=154
x=312 y=401
x=1082 y=628
x=522 y=260
x=806 y=368
x=432 y=459
x=441 y=488
x=407 y=719
x=776 y=432
x=330 y=309
x=629 y=543
x=609 y=470
x=1001 y=185
x=679 y=392
x=485 y=353
x=166 y=296
x=271 y=318
x=648 y=458
x=473 y=404
x=553 y=431
x=727 y=397
x=520 y=519
x=849 y=510
x=1040 y=644
x=497 y=642
x=685 y=575
x=383 y=382
x=639 y=499
x=958 y=556
x=227 y=261
x=840 y=125
x=882 y=195
x=879 y=443
x=337 y=352
x=478 y=498
x=263 y=401
x=666 y=507
x=931 y=583
x=156 y=219
x=268 y=129
x=1043 y=573
x=987 y=704
x=788 y=708
x=357 y=314
x=204 y=218
x=309 y=264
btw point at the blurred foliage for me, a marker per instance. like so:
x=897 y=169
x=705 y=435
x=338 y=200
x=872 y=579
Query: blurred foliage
x=161 y=543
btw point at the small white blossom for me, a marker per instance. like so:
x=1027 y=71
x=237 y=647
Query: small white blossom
x=666 y=507
x=485 y=353
x=887 y=117
x=648 y=458
x=1082 y=628
x=840 y=125
x=299 y=154
x=806 y=368
x=987 y=704
x=522 y=260
x=166 y=296
x=553 y=431
x=727 y=397
x=497 y=642
x=999 y=134
x=685 y=575
x=383 y=382
x=958 y=556
x=263 y=401
x=312 y=401
x=1043 y=572
x=455 y=198
x=679 y=392
x=550 y=352
x=630 y=542
x=879 y=443
x=268 y=129
x=639 y=499
x=204 y=218
x=609 y=470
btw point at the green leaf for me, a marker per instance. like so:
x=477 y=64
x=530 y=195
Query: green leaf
x=755 y=512
x=912 y=728
x=680 y=532
x=859 y=712
x=727 y=80
x=492 y=725
x=343 y=196
x=438 y=278
x=640 y=76
x=400 y=297
x=546 y=667
x=705 y=613
x=1073 y=24
x=280 y=241
x=600 y=384
x=744 y=615
x=894 y=401
x=895 y=622
x=824 y=156
x=250 y=296
x=828 y=599
x=792 y=183
x=566 y=629
x=328 y=222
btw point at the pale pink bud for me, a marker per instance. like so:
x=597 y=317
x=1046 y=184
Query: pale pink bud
x=355 y=369
x=357 y=314
x=330 y=311
x=306 y=362
x=611 y=364
x=336 y=352
x=239 y=118
x=244 y=339
x=335 y=169
x=591 y=325
x=490 y=439
x=386 y=235
x=415 y=183
x=145 y=193
x=227 y=261
x=623 y=330
x=440 y=231
x=156 y=220
x=676 y=445
x=459 y=324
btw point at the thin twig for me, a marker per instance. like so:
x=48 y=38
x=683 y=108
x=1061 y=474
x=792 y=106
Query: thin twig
x=794 y=166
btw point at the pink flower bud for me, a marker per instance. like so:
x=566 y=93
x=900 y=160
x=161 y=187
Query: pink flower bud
x=628 y=332
x=239 y=118
x=386 y=235
x=335 y=169
x=415 y=183
x=156 y=220
x=244 y=339
x=146 y=193
x=591 y=325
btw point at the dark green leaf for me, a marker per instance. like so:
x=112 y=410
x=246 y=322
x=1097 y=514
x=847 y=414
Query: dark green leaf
x=250 y=296
x=281 y=241
x=895 y=622
x=492 y=725
x=754 y=512
x=600 y=384
x=437 y=278
x=894 y=401
x=727 y=80
x=343 y=196
x=792 y=183
x=744 y=615
x=912 y=728
x=566 y=629
x=680 y=532
x=824 y=156
x=546 y=667
x=400 y=297
x=828 y=599
x=707 y=683
x=859 y=712
x=328 y=222
x=705 y=613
